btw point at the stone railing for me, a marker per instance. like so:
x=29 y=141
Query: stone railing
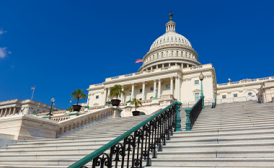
x=246 y=81
x=96 y=107
x=53 y=113
x=83 y=119
x=59 y=119
x=123 y=104
x=146 y=101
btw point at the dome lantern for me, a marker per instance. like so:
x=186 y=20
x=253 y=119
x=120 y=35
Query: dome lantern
x=170 y=26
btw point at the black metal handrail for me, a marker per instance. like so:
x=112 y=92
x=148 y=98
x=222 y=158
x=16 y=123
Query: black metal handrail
x=138 y=144
x=193 y=113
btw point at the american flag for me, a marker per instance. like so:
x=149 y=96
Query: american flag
x=32 y=88
x=139 y=60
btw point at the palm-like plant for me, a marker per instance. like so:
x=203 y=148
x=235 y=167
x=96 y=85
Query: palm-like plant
x=78 y=94
x=116 y=91
x=136 y=103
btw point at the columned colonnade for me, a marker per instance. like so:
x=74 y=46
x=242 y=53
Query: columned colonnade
x=175 y=82
x=8 y=111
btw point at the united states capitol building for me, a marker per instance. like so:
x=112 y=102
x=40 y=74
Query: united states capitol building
x=238 y=132
x=171 y=70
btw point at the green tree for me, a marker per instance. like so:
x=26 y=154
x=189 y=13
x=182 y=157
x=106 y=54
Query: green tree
x=78 y=94
x=69 y=109
x=136 y=103
x=116 y=91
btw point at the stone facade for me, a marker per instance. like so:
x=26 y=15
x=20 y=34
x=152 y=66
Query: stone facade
x=17 y=106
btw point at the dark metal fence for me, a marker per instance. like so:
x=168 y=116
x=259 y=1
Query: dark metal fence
x=136 y=147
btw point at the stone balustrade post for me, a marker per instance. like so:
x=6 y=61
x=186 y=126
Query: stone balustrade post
x=188 y=122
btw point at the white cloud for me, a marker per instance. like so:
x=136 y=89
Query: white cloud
x=3 y=52
x=2 y=32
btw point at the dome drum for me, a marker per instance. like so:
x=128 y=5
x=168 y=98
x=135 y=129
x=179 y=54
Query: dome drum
x=167 y=62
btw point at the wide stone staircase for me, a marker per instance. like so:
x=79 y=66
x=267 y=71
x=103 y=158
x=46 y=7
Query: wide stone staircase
x=64 y=151
x=231 y=135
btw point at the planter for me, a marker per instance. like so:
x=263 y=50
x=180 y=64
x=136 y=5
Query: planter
x=115 y=102
x=135 y=113
x=76 y=107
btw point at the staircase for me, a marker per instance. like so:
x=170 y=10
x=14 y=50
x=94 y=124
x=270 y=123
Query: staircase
x=231 y=135
x=64 y=151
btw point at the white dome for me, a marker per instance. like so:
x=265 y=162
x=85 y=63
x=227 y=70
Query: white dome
x=170 y=38
x=170 y=49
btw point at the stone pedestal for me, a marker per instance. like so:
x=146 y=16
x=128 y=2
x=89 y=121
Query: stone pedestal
x=116 y=112
x=25 y=127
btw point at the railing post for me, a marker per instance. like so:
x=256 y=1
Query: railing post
x=178 y=118
x=188 y=122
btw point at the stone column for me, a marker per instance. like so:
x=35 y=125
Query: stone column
x=143 y=90
x=14 y=110
x=171 y=86
x=122 y=96
x=107 y=98
x=104 y=97
x=132 y=91
x=6 y=110
x=1 y=112
x=10 y=111
x=176 y=87
x=154 y=88
x=159 y=88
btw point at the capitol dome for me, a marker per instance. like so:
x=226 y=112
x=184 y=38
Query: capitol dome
x=170 y=49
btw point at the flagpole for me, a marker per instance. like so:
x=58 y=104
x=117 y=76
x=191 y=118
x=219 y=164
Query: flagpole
x=32 y=92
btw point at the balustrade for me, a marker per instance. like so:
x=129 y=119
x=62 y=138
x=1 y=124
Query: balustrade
x=136 y=147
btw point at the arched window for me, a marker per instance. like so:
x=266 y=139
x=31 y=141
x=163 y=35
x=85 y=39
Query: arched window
x=249 y=94
x=172 y=53
x=167 y=54
x=162 y=54
x=157 y=55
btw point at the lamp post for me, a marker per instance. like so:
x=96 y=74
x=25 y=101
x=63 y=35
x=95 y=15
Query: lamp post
x=52 y=101
x=201 y=77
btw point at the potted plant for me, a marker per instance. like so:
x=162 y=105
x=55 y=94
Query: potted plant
x=78 y=94
x=136 y=103
x=116 y=91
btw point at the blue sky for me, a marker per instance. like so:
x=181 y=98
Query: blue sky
x=60 y=46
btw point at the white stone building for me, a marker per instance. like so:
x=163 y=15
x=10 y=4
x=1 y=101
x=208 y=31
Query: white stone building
x=17 y=106
x=171 y=67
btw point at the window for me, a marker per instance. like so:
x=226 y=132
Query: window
x=235 y=95
x=151 y=97
x=196 y=82
x=141 y=90
x=224 y=96
x=97 y=97
x=196 y=96
x=249 y=94
x=167 y=86
x=140 y=99
x=151 y=89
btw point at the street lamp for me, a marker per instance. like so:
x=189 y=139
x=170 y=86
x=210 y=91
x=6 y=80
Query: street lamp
x=201 y=77
x=52 y=101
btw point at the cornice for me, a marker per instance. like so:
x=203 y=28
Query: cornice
x=144 y=75
x=239 y=85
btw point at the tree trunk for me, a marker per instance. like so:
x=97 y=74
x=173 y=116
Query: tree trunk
x=77 y=100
